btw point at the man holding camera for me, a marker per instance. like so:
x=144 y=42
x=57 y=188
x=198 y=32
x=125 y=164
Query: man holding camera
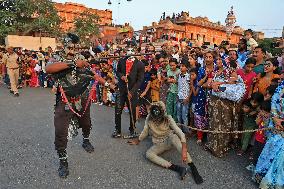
x=11 y=60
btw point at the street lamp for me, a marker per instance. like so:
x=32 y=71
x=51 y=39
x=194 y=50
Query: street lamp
x=230 y=23
x=109 y=2
x=118 y=5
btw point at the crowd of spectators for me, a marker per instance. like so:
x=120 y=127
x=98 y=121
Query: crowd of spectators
x=188 y=80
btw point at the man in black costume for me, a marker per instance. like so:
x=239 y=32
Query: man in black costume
x=130 y=74
x=72 y=110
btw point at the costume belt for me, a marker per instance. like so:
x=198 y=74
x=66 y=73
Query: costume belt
x=76 y=101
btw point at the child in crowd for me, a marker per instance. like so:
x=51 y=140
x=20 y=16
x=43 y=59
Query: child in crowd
x=248 y=75
x=144 y=91
x=269 y=92
x=155 y=86
x=251 y=43
x=173 y=88
x=255 y=101
x=97 y=99
x=248 y=124
x=108 y=100
x=183 y=94
x=262 y=121
x=28 y=75
x=197 y=110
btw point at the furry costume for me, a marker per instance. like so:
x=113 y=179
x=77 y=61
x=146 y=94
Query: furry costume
x=165 y=136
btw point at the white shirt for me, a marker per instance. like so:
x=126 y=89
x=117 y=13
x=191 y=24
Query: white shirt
x=183 y=86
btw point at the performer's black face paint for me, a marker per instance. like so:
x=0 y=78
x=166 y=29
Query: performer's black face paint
x=156 y=112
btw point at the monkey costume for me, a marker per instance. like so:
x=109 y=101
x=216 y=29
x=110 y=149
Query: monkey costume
x=165 y=136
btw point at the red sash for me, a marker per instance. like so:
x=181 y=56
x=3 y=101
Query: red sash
x=129 y=64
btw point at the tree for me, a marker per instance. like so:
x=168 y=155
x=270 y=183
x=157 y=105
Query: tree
x=28 y=16
x=37 y=16
x=268 y=43
x=86 y=26
x=7 y=18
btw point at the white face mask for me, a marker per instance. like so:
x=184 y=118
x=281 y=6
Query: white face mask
x=130 y=51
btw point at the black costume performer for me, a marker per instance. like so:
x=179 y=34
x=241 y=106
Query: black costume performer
x=72 y=109
x=130 y=78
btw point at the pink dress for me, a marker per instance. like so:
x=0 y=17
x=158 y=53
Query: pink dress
x=248 y=80
x=34 y=77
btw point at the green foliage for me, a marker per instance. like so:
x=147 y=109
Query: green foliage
x=28 y=16
x=37 y=16
x=86 y=26
x=267 y=43
x=7 y=18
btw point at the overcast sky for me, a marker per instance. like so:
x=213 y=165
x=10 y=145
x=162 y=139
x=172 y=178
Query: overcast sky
x=261 y=15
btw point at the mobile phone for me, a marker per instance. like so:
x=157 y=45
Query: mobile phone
x=222 y=89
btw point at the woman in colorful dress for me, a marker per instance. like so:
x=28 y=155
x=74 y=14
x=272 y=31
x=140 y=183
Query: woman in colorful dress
x=221 y=111
x=199 y=102
x=269 y=171
x=34 y=75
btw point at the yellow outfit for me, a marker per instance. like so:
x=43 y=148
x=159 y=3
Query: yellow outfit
x=155 y=90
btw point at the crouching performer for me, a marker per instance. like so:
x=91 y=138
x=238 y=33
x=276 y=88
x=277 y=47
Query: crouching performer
x=165 y=136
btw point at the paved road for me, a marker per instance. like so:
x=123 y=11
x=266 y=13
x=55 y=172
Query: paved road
x=28 y=159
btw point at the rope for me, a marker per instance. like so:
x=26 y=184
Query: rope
x=227 y=132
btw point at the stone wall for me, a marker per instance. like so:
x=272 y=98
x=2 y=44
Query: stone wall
x=29 y=42
x=209 y=35
x=69 y=11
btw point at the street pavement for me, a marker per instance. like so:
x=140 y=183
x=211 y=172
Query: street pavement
x=28 y=159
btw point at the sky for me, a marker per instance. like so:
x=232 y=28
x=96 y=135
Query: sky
x=260 y=15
